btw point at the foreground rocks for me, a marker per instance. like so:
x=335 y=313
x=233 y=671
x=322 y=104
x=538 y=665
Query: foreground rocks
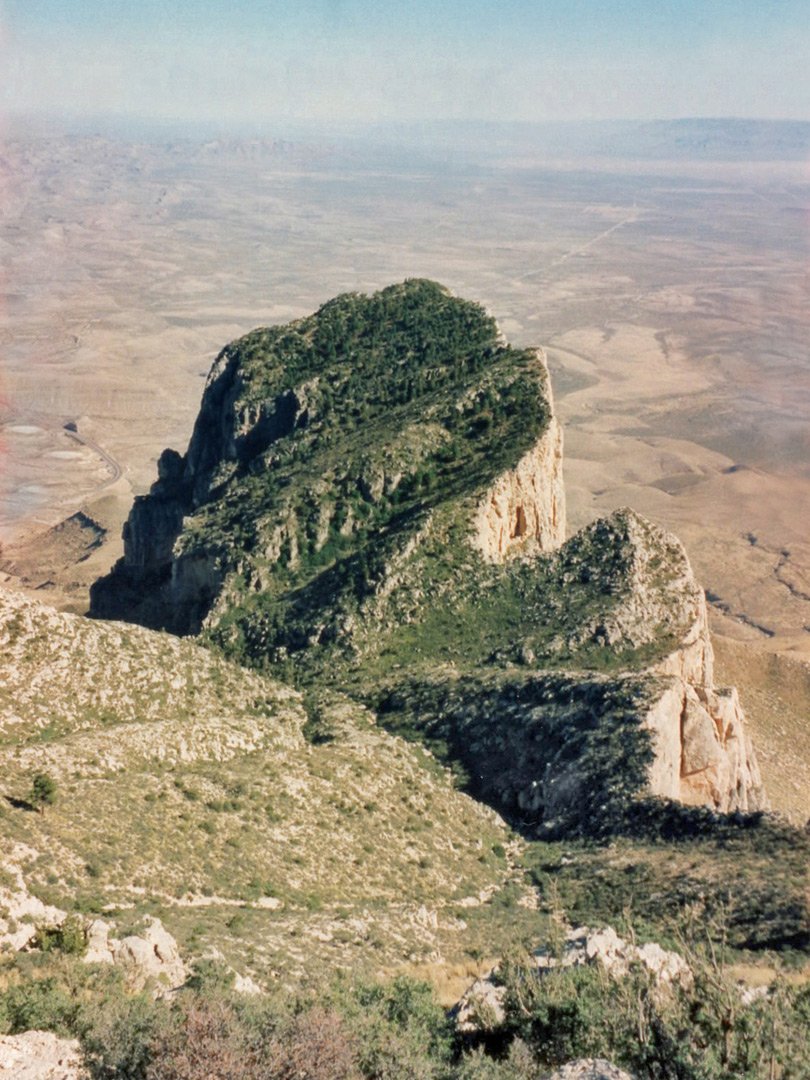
x=482 y=1005
x=40 y=1055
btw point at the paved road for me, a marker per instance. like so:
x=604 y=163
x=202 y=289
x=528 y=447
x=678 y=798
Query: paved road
x=12 y=415
x=117 y=471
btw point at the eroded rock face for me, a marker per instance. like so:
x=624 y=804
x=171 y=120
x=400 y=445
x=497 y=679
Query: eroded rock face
x=22 y=912
x=151 y=956
x=693 y=660
x=524 y=510
x=703 y=754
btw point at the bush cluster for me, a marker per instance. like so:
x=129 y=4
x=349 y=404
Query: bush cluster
x=396 y=1031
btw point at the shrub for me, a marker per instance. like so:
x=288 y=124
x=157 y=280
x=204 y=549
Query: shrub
x=70 y=937
x=703 y=1032
x=38 y=1004
x=43 y=791
x=118 y=1038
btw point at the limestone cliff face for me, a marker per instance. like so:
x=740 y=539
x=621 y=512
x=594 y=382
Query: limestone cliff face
x=703 y=754
x=693 y=660
x=524 y=510
x=340 y=471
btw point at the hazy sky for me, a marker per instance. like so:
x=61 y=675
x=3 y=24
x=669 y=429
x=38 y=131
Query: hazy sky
x=407 y=59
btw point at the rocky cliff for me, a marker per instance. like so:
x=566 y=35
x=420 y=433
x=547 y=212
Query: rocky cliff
x=703 y=755
x=524 y=510
x=372 y=499
x=316 y=440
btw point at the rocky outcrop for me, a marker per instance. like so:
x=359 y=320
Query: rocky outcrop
x=96 y=675
x=151 y=957
x=483 y=1003
x=693 y=659
x=40 y=1055
x=22 y=913
x=524 y=510
x=703 y=753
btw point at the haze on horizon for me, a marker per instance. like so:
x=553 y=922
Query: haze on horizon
x=355 y=60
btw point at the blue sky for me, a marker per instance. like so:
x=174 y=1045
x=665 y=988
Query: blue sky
x=322 y=60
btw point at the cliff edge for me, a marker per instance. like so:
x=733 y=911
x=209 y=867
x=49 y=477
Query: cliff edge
x=372 y=499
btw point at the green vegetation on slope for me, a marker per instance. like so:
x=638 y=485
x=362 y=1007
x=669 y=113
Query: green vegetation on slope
x=398 y=609
x=230 y=806
x=318 y=529
x=341 y=1029
x=678 y=872
x=318 y=440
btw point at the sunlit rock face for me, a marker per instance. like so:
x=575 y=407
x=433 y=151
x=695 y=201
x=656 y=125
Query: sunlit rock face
x=374 y=495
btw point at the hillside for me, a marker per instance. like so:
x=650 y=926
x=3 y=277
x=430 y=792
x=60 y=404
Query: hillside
x=373 y=496
x=233 y=806
x=366 y=710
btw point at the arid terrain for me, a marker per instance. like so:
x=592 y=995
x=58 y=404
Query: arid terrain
x=669 y=289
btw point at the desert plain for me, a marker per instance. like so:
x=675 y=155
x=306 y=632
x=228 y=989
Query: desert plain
x=664 y=271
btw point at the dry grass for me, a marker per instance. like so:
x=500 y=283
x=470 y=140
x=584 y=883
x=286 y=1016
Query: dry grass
x=448 y=980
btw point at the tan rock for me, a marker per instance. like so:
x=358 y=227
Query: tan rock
x=152 y=955
x=703 y=755
x=589 y=1069
x=244 y=984
x=481 y=1007
x=98 y=946
x=40 y=1055
x=23 y=913
x=693 y=660
x=524 y=510
x=605 y=948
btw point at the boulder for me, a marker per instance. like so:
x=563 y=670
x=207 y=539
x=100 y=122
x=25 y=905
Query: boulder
x=152 y=955
x=98 y=946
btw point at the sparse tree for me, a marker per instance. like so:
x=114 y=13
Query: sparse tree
x=43 y=791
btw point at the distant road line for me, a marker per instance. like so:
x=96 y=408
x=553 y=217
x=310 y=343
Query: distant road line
x=577 y=251
x=13 y=415
x=117 y=471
